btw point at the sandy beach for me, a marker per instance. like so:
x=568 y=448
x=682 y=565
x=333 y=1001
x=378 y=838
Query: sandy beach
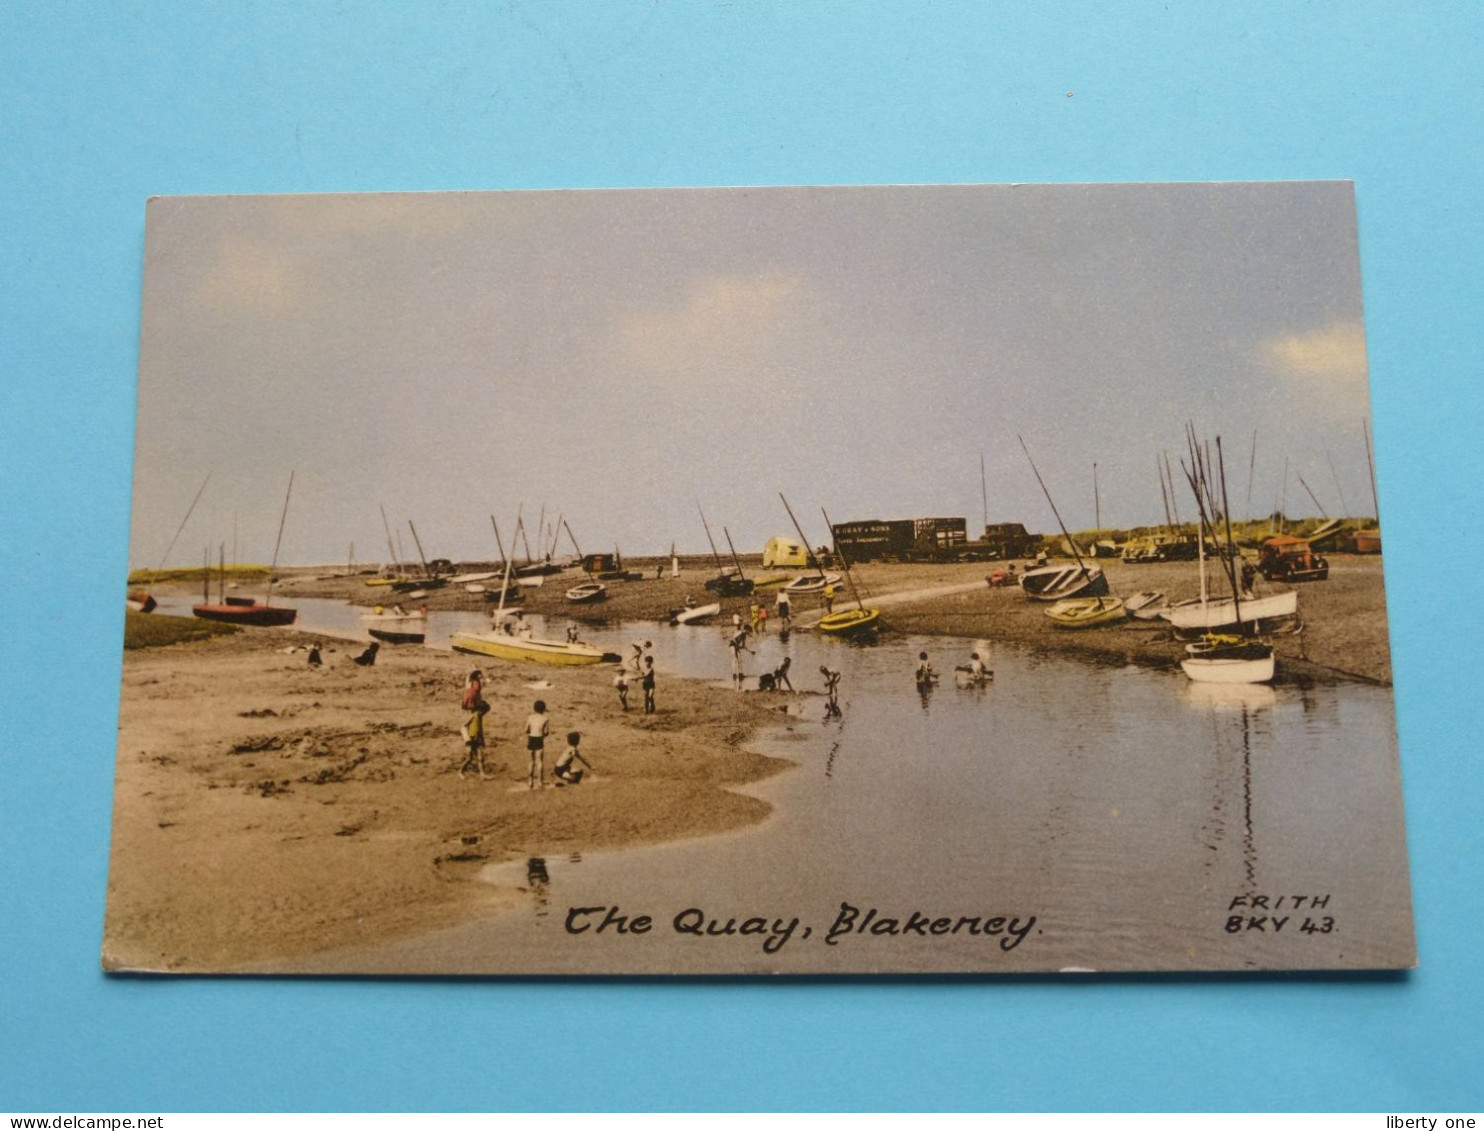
x=265 y=809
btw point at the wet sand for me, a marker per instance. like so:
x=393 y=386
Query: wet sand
x=265 y=809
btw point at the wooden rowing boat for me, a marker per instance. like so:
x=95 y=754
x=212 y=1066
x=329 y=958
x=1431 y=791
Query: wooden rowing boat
x=1087 y=612
x=588 y=593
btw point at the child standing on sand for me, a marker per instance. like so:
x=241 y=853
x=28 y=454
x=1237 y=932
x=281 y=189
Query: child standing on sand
x=648 y=685
x=538 y=726
x=474 y=740
x=564 y=772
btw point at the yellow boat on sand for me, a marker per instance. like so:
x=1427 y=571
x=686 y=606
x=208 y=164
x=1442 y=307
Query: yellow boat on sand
x=1087 y=612
x=527 y=649
x=850 y=622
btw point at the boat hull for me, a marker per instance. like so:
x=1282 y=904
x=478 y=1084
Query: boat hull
x=1229 y=660
x=139 y=601
x=394 y=629
x=587 y=594
x=254 y=616
x=397 y=636
x=526 y=650
x=1087 y=612
x=1058 y=583
x=850 y=623
x=1212 y=616
x=813 y=584
x=696 y=615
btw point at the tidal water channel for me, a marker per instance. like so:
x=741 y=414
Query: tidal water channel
x=1066 y=816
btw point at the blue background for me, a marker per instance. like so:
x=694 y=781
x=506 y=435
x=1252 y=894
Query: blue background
x=102 y=106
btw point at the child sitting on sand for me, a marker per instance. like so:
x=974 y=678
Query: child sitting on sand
x=564 y=772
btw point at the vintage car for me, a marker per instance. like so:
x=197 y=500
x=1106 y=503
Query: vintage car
x=1285 y=558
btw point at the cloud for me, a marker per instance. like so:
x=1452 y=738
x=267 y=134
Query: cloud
x=724 y=325
x=1333 y=356
x=249 y=276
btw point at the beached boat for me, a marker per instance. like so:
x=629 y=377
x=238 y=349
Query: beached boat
x=812 y=583
x=249 y=613
x=1218 y=658
x=696 y=614
x=851 y=622
x=397 y=628
x=1087 y=612
x=521 y=649
x=245 y=610
x=413 y=584
x=1147 y=604
x=1060 y=582
x=138 y=601
x=1209 y=615
x=768 y=580
x=588 y=593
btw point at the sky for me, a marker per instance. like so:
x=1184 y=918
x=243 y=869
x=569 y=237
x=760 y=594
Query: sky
x=631 y=358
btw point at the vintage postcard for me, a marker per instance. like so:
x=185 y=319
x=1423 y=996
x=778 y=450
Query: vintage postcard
x=972 y=579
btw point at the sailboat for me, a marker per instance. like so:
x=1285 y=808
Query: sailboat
x=1061 y=582
x=858 y=621
x=518 y=646
x=1221 y=657
x=727 y=582
x=245 y=610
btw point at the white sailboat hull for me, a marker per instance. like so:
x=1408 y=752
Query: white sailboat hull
x=1205 y=616
x=1229 y=671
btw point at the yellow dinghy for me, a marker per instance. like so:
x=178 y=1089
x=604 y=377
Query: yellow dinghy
x=1087 y=612
x=527 y=649
x=851 y=622
x=770 y=579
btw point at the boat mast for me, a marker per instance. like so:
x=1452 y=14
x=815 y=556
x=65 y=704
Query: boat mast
x=1365 y=434
x=556 y=535
x=1251 y=467
x=1054 y=511
x=187 y=518
x=509 y=564
x=984 y=493
x=1344 y=508
x=206 y=576
x=735 y=560
x=1164 y=495
x=282 y=518
x=520 y=527
x=422 y=557
x=1317 y=503
x=503 y=559
x=576 y=547
x=221 y=557
x=396 y=565
x=802 y=538
x=1097 y=503
x=854 y=592
x=714 y=554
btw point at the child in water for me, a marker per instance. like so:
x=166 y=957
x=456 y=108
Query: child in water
x=564 y=772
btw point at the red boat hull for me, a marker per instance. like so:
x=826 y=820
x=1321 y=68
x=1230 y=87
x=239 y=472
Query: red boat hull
x=258 y=616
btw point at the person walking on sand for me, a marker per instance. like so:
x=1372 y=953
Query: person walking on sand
x=538 y=726
x=829 y=599
x=564 y=773
x=648 y=685
x=831 y=691
x=314 y=656
x=621 y=684
x=738 y=645
x=473 y=690
x=784 y=621
x=473 y=732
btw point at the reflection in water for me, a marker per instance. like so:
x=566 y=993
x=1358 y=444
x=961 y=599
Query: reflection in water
x=539 y=882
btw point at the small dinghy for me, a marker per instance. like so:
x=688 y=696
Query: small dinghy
x=814 y=583
x=1229 y=659
x=853 y=622
x=697 y=614
x=588 y=593
x=1146 y=605
x=1087 y=612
